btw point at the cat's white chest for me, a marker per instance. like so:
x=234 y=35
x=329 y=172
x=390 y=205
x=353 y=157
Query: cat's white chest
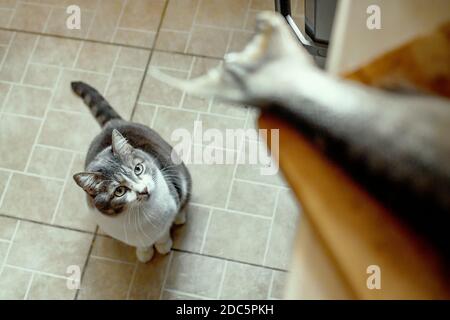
x=140 y=226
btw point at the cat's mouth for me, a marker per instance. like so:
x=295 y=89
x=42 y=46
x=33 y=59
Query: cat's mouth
x=144 y=196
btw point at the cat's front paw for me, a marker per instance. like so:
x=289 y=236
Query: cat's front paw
x=164 y=247
x=144 y=255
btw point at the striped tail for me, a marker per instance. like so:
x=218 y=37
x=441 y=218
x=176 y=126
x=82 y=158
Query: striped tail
x=100 y=108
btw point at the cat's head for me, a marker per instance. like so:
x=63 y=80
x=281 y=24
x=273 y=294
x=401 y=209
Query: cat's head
x=119 y=177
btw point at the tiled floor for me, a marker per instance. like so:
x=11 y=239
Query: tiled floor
x=240 y=224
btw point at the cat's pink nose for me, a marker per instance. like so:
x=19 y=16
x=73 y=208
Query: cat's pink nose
x=145 y=191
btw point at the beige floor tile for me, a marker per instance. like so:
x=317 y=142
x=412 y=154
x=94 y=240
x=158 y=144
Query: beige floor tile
x=7 y=3
x=237 y=236
x=13 y=284
x=31 y=198
x=283 y=231
x=243 y=281
x=7 y=228
x=5 y=17
x=159 y=93
x=219 y=13
x=220 y=125
x=142 y=14
x=180 y=62
x=16 y=61
x=73 y=211
x=190 y=236
x=144 y=114
x=50 y=162
x=64 y=97
x=262 y=5
x=20 y=133
x=180 y=14
x=56 y=51
x=187 y=274
x=133 y=58
x=208 y=41
x=278 y=284
x=135 y=37
x=27 y=101
x=123 y=90
x=149 y=278
x=253 y=198
x=228 y=109
x=211 y=183
x=30 y=17
x=169 y=40
x=73 y=131
x=105 y=280
x=168 y=120
x=239 y=40
x=41 y=75
x=106 y=247
x=97 y=57
x=50 y=288
x=106 y=20
x=252 y=167
x=32 y=248
x=57 y=23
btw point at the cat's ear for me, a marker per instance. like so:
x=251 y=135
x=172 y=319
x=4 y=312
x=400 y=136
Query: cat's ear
x=120 y=145
x=88 y=181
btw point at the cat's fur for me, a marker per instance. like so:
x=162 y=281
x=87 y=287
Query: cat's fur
x=132 y=183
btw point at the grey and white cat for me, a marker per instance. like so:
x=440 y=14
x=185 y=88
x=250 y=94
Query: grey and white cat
x=133 y=185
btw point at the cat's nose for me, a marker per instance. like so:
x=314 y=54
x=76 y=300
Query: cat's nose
x=144 y=192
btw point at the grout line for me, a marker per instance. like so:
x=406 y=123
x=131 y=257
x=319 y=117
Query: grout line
x=86 y=262
x=2 y=196
x=194 y=111
x=222 y=280
x=9 y=248
x=116 y=28
x=240 y=151
x=26 y=85
x=38 y=133
x=230 y=260
x=230 y=210
x=262 y=184
x=208 y=222
x=94 y=14
x=144 y=75
x=25 y=116
x=58 y=148
x=30 y=174
x=13 y=37
x=4 y=241
x=77 y=56
x=112 y=260
x=49 y=35
x=58 y=204
x=269 y=291
x=166 y=275
x=44 y=223
x=113 y=68
x=191 y=295
x=133 y=277
x=183 y=95
x=27 y=66
x=27 y=292
x=38 y=272
x=271 y=226
x=188 y=40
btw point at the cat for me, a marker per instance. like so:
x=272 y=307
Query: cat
x=135 y=184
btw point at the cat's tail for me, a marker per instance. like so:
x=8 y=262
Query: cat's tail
x=100 y=108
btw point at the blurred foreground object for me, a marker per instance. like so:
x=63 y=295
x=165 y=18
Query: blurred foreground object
x=391 y=144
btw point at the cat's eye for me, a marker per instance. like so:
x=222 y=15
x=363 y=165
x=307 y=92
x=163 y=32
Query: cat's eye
x=138 y=169
x=120 y=191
